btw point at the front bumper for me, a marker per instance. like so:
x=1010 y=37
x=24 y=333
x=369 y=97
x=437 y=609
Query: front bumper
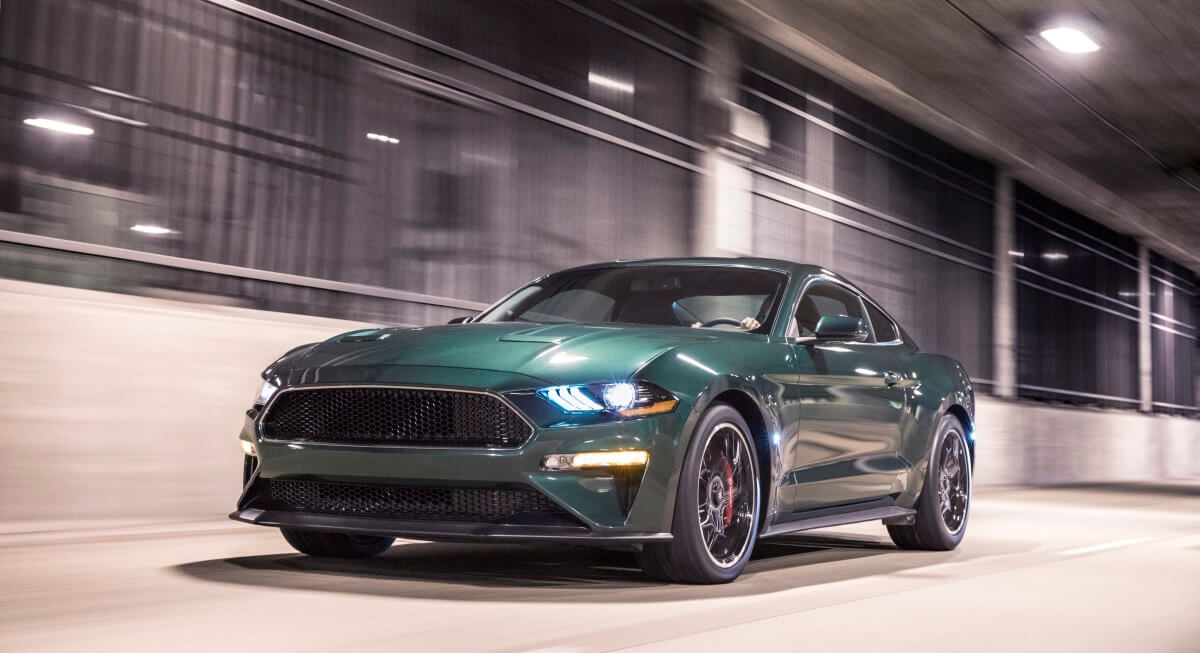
x=600 y=512
x=442 y=531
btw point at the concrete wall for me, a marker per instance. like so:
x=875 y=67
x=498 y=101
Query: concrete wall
x=1022 y=443
x=122 y=408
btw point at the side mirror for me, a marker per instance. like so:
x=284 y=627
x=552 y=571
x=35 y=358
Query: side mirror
x=842 y=328
x=459 y=320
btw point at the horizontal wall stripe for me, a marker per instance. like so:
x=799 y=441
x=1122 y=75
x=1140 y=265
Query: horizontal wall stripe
x=388 y=28
x=844 y=201
x=634 y=34
x=809 y=97
x=1077 y=300
x=399 y=64
x=1052 y=232
x=1043 y=214
x=1170 y=405
x=1076 y=393
x=808 y=208
x=1055 y=279
x=1190 y=292
x=986 y=199
x=194 y=265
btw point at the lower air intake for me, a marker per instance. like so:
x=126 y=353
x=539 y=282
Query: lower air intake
x=413 y=503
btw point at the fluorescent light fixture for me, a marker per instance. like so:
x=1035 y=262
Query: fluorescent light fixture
x=59 y=126
x=115 y=118
x=1054 y=256
x=563 y=461
x=109 y=91
x=152 y=229
x=609 y=82
x=1069 y=39
x=382 y=138
x=1015 y=254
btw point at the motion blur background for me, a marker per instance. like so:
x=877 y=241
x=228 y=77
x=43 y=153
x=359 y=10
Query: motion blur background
x=260 y=174
x=188 y=188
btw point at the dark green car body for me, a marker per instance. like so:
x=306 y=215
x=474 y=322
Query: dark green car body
x=843 y=430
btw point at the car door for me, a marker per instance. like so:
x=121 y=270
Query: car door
x=843 y=409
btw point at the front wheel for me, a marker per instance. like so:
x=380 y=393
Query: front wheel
x=945 y=501
x=336 y=545
x=716 y=506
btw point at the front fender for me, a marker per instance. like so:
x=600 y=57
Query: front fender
x=701 y=375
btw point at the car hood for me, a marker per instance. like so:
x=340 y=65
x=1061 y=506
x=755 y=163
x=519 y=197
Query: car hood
x=560 y=353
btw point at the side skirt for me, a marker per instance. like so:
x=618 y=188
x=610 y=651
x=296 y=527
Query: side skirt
x=893 y=514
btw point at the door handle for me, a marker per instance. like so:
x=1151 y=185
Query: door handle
x=892 y=379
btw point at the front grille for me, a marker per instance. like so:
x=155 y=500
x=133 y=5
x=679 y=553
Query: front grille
x=395 y=416
x=412 y=503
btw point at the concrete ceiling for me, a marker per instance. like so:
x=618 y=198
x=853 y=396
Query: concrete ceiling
x=1110 y=153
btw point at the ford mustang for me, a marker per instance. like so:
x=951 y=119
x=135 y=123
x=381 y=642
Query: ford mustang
x=680 y=408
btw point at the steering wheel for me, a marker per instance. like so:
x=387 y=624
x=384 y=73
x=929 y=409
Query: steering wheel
x=722 y=320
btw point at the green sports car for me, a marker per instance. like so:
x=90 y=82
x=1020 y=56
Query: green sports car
x=681 y=408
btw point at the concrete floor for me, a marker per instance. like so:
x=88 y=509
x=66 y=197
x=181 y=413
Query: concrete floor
x=1077 y=569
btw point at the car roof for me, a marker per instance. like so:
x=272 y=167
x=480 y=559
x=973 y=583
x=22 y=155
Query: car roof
x=797 y=270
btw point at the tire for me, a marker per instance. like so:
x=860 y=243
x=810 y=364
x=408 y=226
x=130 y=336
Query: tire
x=936 y=528
x=336 y=545
x=721 y=456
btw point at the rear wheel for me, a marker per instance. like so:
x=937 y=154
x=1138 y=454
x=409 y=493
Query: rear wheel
x=945 y=501
x=716 y=506
x=336 y=545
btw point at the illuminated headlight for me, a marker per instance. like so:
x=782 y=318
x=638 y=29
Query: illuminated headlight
x=624 y=399
x=248 y=448
x=594 y=459
x=265 y=392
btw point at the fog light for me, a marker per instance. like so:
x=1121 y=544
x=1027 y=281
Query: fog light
x=248 y=448
x=593 y=459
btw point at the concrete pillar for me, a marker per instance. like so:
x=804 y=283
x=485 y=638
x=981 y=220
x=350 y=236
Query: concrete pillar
x=1145 y=350
x=1004 y=291
x=724 y=220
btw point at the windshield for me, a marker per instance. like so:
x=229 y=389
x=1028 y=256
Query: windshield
x=702 y=296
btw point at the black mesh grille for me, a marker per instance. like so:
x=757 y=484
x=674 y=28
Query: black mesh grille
x=411 y=503
x=402 y=416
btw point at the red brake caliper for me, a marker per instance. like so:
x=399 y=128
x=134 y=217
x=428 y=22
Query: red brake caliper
x=727 y=473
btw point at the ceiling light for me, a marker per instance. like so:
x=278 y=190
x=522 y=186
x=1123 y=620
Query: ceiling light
x=115 y=118
x=151 y=229
x=609 y=82
x=1054 y=256
x=382 y=138
x=59 y=126
x=1014 y=253
x=1069 y=39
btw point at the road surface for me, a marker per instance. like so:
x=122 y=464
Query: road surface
x=1113 y=568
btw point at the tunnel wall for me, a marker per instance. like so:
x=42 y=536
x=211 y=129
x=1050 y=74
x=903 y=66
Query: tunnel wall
x=116 y=408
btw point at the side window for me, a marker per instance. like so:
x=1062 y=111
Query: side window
x=825 y=299
x=885 y=329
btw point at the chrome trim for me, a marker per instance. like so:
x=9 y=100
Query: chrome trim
x=262 y=414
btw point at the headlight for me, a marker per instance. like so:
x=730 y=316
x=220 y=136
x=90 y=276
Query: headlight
x=624 y=398
x=265 y=392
